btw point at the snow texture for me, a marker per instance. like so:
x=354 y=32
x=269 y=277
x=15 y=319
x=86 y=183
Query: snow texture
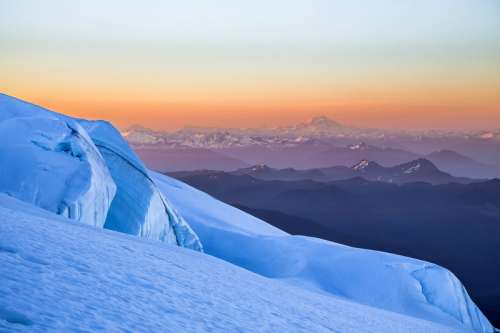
x=53 y=164
x=62 y=157
x=404 y=285
x=58 y=276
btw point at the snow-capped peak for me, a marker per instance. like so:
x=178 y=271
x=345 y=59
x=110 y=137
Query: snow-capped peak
x=141 y=135
x=412 y=169
x=323 y=121
x=358 y=146
x=361 y=165
x=489 y=136
x=486 y=135
x=418 y=165
x=260 y=167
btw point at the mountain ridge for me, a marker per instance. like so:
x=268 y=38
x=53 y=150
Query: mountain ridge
x=419 y=170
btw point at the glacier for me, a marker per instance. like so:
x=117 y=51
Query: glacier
x=58 y=276
x=96 y=178
x=391 y=282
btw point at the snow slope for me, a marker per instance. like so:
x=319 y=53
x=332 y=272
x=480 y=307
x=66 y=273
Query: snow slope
x=57 y=276
x=74 y=167
x=382 y=280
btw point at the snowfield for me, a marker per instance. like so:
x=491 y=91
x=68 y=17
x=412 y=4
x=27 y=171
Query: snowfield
x=60 y=276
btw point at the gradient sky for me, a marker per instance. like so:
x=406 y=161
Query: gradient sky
x=165 y=64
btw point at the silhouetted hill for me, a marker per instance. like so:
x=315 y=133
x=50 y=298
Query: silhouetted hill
x=462 y=166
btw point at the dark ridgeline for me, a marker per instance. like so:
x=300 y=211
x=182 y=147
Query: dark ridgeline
x=419 y=170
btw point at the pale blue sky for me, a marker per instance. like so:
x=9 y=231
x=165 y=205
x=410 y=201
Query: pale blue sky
x=343 y=49
x=316 y=23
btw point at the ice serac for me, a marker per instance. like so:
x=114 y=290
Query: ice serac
x=70 y=165
x=52 y=163
x=138 y=208
x=391 y=282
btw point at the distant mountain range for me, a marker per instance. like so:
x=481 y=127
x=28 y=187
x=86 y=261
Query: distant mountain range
x=455 y=225
x=319 y=143
x=318 y=127
x=420 y=170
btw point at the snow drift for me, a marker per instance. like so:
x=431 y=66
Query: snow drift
x=84 y=170
x=400 y=284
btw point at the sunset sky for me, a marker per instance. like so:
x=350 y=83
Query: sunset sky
x=166 y=64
